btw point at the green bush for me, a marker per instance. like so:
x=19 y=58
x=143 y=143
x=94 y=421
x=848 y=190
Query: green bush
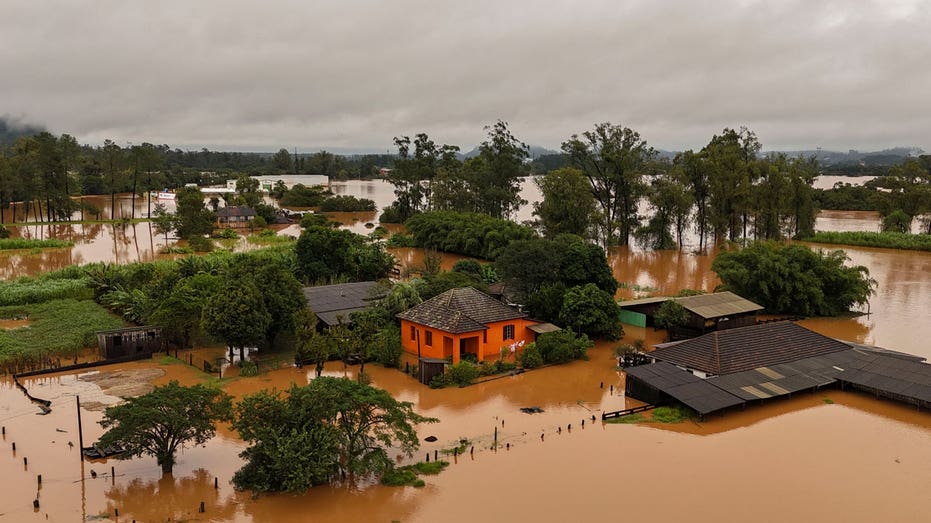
x=4 y=232
x=228 y=234
x=400 y=240
x=471 y=234
x=200 y=244
x=248 y=368
x=531 y=357
x=562 y=346
x=674 y=414
x=386 y=347
x=391 y=214
x=347 y=203
x=460 y=374
x=302 y=196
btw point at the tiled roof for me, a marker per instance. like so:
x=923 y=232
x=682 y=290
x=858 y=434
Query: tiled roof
x=746 y=348
x=460 y=310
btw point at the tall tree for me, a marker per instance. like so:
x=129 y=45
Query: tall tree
x=164 y=420
x=282 y=161
x=193 y=219
x=238 y=316
x=614 y=159
x=415 y=167
x=671 y=202
x=732 y=163
x=113 y=156
x=495 y=174
x=567 y=206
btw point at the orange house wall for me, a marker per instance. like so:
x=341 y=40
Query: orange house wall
x=489 y=349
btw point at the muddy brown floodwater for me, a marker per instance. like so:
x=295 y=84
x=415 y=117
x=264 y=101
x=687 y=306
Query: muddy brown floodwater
x=827 y=456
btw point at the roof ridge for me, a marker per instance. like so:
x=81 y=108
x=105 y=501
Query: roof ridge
x=717 y=353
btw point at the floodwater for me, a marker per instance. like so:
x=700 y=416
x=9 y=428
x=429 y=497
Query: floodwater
x=855 y=459
x=801 y=459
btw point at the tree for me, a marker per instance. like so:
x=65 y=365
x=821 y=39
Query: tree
x=897 y=221
x=562 y=346
x=113 y=158
x=170 y=417
x=179 y=313
x=193 y=219
x=330 y=429
x=568 y=205
x=589 y=310
x=671 y=315
x=414 y=171
x=237 y=315
x=164 y=221
x=731 y=160
x=793 y=279
x=672 y=203
x=247 y=189
x=494 y=175
x=324 y=253
x=282 y=161
x=309 y=345
x=614 y=159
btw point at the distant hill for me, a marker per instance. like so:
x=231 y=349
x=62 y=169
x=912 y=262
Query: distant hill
x=853 y=157
x=11 y=129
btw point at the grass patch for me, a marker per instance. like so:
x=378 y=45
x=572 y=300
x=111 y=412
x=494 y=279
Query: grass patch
x=174 y=249
x=670 y=414
x=170 y=360
x=463 y=445
x=829 y=401
x=407 y=476
x=630 y=418
x=263 y=238
x=888 y=240
x=58 y=328
x=29 y=243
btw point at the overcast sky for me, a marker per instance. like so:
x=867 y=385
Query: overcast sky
x=353 y=74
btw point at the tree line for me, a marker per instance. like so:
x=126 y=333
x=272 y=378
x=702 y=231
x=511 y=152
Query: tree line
x=45 y=171
x=725 y=191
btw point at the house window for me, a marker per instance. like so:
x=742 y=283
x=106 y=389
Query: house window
x=429 y=339
x=413 y=333
x=509 y=332
x=485 y=336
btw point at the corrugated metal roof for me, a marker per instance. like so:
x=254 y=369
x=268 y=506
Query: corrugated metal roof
x=708 y=306
x=694 y=392
x=746 y=348
x=543 y=328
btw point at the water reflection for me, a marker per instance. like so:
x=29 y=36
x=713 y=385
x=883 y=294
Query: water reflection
x=170 y=499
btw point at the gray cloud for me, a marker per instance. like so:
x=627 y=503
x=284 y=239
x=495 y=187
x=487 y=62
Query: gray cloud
x=353 y=74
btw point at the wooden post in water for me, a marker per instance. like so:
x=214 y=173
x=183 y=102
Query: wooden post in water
x=80 y=430
x=216 y=483
x=202 y=508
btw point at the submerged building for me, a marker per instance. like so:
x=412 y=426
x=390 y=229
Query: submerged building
x=733 y=367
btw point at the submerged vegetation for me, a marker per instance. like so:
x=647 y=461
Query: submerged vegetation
x=887 y=240
x=30 y=243
x=57 y=328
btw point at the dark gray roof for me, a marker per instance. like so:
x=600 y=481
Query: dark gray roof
x=747 y=348
x=460 y=310
x=235 y=210
x=329 y=302
x=786 y=378
x=891 y=374
x=715 y=305
x=693 y=392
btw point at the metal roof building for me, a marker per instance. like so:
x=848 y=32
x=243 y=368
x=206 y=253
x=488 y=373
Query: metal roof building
x=335 y=303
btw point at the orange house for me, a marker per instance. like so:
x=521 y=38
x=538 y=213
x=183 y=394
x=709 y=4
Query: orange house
x=463 y=321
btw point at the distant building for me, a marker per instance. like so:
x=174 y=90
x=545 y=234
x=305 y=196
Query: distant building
x=235 y=216
x=129 y=342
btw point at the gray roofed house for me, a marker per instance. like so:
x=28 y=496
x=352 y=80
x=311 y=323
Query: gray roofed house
x=235 y=216
x=335 y=303
x=460 y=310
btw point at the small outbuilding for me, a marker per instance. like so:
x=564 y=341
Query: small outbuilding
x=131 y=341
x=707 y=312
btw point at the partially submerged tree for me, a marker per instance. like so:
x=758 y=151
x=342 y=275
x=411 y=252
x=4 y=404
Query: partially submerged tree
x=793 y=279
x=329 y=430
x=164 y=420
x=671 y=315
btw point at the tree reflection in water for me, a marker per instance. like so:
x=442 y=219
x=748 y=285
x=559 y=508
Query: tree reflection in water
x=171 y=499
